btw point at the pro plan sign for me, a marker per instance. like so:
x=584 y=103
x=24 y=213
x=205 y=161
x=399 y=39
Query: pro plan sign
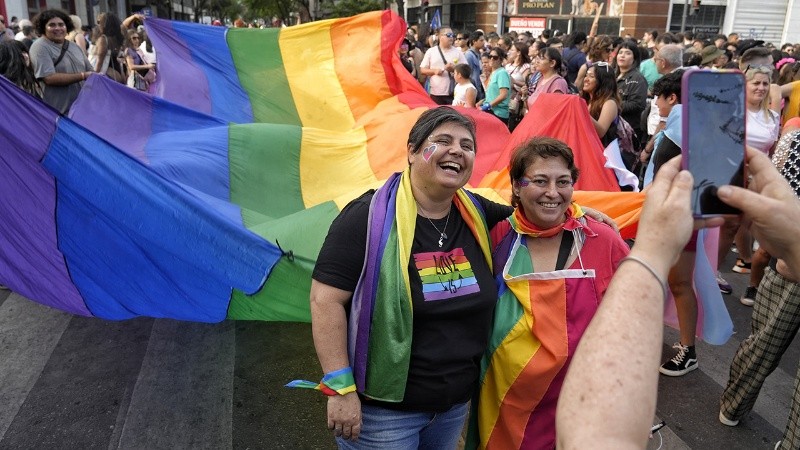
x=546 y=7
x=533 y=24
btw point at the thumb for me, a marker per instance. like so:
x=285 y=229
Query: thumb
x=748 y=201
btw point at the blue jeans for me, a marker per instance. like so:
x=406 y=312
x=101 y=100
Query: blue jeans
x=383 y=428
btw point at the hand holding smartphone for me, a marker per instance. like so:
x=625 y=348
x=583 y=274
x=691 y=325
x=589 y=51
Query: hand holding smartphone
x=713 y=141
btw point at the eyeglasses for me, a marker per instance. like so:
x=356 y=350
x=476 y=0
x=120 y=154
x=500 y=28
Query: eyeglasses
x=494 y=57
x=450 y=35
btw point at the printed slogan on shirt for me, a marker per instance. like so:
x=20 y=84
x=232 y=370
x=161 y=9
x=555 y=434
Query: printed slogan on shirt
x=445 y=275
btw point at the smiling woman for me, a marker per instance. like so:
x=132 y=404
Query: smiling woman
x=401 y=372
x=556 y=265
x=57 y=62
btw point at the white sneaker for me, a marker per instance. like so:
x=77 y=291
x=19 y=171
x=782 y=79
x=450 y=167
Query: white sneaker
x=725 y=421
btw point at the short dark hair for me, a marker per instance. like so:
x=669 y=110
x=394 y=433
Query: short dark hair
x=546 y=33
x=554 y=40
x=432 y=119
x=669 y=84
x=577 y=38
x=474 y=36
x=40 y=21
x=463 y=69
x=653 y=34
x=753 y=53
x=539 y=147
x=666 y=38
x=631 y=45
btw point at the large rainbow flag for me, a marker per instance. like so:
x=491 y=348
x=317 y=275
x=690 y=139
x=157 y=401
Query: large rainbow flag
x=211 y=199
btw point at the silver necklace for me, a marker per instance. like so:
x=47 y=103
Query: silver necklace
x=442 y=234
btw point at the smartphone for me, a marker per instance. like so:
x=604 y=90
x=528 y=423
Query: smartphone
x=713 y=141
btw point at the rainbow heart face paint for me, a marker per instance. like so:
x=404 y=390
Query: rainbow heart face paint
x=428 y=152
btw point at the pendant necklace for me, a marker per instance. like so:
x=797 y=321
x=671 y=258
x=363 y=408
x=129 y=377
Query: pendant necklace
x=442 y=234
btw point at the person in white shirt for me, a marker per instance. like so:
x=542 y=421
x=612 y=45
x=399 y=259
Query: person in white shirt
x=438 y=64
x=465 y=92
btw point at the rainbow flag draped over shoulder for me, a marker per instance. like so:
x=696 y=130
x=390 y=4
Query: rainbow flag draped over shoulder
x=381 y=316
x=212 y=198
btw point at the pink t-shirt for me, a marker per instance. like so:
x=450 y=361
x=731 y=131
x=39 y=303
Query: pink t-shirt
x=553 y=84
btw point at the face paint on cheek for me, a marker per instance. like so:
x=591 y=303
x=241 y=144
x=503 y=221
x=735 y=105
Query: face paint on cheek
x=428 y=152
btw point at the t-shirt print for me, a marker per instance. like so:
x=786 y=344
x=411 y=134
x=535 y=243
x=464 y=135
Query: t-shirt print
x=445 y=275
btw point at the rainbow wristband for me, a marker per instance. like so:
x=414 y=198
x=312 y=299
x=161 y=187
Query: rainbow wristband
x=338 y=382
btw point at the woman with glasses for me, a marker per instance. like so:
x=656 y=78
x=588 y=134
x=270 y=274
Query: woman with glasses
x=58 y=63
x=548 y=63
x=400 y=338
x=600 y=50
x=602 y=97
x=553 y=265
x=498 y=90
x=632 y=88
x=140 y=75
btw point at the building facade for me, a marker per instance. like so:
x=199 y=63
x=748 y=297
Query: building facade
x=775 y=21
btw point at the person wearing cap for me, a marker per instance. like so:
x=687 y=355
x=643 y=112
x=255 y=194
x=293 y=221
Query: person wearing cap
x=710 y=53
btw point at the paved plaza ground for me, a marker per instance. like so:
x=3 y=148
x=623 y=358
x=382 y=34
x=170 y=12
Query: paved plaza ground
x=76 y=383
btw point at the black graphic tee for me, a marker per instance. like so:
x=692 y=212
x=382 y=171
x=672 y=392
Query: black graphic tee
x=453 y=295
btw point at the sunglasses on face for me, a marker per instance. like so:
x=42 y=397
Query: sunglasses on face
x=450 y=35
x=494 y=57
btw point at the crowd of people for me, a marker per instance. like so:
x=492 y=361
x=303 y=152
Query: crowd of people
x=549 y=261
x=424 y=294
x=53 y=55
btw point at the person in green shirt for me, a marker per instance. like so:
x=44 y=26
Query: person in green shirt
x=499 y=88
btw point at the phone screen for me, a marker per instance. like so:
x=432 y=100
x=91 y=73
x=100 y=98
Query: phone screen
x=713 y=136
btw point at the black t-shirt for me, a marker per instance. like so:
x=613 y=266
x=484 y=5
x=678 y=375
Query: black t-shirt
x=452 y=305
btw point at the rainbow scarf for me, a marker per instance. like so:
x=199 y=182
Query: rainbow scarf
x=522 y=225
x=381 y=316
